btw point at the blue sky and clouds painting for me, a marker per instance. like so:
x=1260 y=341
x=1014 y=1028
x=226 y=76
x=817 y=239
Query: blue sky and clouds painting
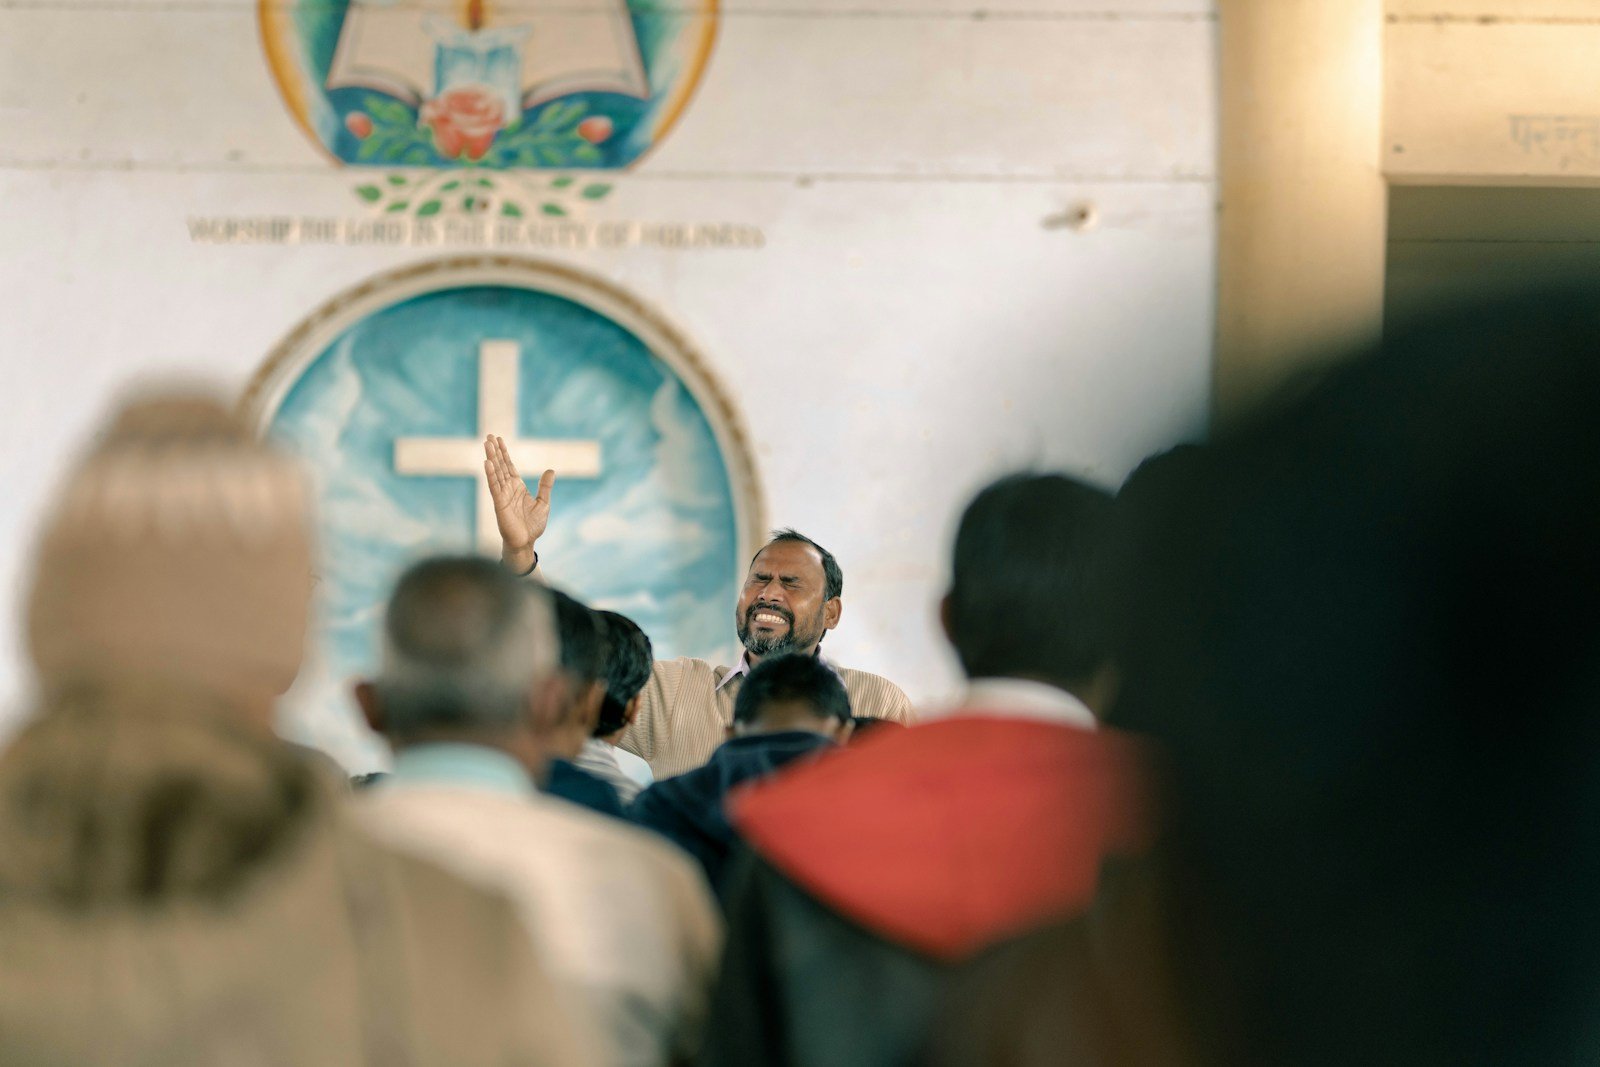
x=653 y=537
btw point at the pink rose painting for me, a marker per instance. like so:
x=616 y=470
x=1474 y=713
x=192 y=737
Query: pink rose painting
x=464 y=120
x=595 y=129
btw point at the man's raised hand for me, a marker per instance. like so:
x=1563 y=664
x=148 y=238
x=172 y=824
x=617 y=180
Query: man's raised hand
x=522 y=516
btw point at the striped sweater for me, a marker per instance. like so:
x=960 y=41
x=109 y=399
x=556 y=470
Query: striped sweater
x=684 y=716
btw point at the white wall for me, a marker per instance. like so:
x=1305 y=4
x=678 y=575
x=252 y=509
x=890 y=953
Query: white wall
x=919 y=319
x=1491 y=92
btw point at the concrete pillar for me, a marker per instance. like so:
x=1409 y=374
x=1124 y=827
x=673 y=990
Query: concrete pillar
x=1303 y=203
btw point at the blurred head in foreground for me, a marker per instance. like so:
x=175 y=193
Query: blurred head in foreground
x=1022 y=591
x=469 y=655
x=167 y=613
x=177 y=886
x=1365 y=626
x=176 y=557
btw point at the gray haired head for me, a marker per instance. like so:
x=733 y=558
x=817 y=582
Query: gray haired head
x=464 y=644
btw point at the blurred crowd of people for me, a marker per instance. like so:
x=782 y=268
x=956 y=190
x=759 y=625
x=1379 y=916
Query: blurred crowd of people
x=1276 y=755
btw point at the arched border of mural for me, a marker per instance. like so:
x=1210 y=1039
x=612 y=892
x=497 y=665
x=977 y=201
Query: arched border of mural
x=292 y=355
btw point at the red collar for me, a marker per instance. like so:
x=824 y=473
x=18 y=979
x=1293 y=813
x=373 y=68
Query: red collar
x=950 y=836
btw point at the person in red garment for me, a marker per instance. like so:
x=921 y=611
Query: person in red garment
x=984 y=824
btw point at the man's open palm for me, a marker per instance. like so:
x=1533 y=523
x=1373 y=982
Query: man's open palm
x=522 y=516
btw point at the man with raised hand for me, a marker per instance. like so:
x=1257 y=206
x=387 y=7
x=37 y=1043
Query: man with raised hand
x=790 y=599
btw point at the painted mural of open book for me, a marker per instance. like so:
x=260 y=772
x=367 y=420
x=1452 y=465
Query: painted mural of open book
x=530 y=50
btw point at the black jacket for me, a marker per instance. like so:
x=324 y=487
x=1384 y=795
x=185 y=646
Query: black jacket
x=571 y=782
x=871 y=880
x=689 y=808
x=803 y=986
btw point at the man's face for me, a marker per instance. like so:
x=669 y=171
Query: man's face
x=784 y=606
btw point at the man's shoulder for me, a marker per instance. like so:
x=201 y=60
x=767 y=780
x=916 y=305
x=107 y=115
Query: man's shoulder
x=686 y=666
x=877 y=696
x=512 y=824
x=469 y=934
x=852 y=676
x=619 y=838
x=633 y=767
x=434 y=806
x=431 y=806
x=663 y=789
x=924 y=806
x=965 y=753
x=654 y=857
x=423 y=878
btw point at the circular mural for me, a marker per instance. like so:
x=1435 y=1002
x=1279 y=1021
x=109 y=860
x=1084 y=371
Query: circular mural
x=493 y=83
x=385 y=393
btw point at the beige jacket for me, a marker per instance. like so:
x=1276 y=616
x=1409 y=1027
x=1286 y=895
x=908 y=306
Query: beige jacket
x=623 y=921
x=686 y=711
x=174 y=894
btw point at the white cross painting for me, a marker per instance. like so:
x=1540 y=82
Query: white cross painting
x=498 y=382
x=389 y=411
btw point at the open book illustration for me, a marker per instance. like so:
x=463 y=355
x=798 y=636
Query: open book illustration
x=526 y=51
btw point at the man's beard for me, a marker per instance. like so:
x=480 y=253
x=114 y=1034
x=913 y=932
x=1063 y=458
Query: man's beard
x=791 y=640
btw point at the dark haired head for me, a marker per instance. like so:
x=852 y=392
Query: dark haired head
x=628 y=667
x=832 y=576
x=1024 y=588
x=1142 y=492
x=788 y=603
x=1156 y=472
x=583 y=641
x=1366 y=637
x=791 y=687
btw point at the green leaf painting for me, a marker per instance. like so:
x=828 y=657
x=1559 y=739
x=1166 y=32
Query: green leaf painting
x=389 y=112
x=467 y=191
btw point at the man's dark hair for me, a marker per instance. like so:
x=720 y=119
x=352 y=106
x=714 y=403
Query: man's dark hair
x=583 y=641
x=628 y=665
x=792 y=679
x=1142 y=492
x=1024 y=589
x=832 y=576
